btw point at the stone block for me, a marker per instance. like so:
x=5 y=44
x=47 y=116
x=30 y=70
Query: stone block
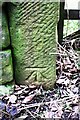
x=6 y=70
x=4 y=32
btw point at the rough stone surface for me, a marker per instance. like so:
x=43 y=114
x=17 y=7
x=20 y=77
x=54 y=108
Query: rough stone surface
x=7 y=89
x=6 y=71
x=5 y=41
x=33 y=36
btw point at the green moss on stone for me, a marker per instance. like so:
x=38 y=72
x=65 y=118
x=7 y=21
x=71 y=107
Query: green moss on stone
x=6 y=71
x=5 y=32
x=33 y=37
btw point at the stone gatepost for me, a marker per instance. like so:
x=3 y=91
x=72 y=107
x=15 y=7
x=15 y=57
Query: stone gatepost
x=33 y=38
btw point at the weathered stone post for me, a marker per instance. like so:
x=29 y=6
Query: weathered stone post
x=33 y=37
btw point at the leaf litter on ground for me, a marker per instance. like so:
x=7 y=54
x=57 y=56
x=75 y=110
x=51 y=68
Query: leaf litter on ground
x=32 y=102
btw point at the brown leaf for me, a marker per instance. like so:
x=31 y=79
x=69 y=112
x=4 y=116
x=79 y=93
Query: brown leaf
x=28 y=98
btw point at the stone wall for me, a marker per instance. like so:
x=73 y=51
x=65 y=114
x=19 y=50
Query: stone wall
x=6 y=70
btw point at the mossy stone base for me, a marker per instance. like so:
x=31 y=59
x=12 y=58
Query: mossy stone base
x=7 y=88
x=6 y=71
